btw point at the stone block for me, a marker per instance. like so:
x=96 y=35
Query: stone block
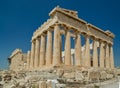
x=60 y=85
x=79 y=76
x=94 y=75
x=60 y=72
x=42 y=84
x=103 y=75
x=49 y=84
x=69 y=75
x=109 y=76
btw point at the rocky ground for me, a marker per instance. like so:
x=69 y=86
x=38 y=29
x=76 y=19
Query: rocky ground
x=58 y=77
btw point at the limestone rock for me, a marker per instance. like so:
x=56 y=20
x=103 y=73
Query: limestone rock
x=7 y=77
x=109 y=76
x=42 y=84
x=69 y=75
x=60 y=72
x=60 y=85
x=70 y=80
x=32 y=78
x=103 y=75
x=79 y=76
x=94 y=75
x=49 y=84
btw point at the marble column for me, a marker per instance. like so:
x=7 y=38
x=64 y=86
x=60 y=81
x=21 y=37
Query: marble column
x=49 y=48
x=42 y=50
x=87 y=52
x=107 y=56
x=102 y=54
x=95 y=53
x=28 y=59
x=111 y=57
x=67 y=48
x=56 y=46
x=37 y=53
x=32 y=54
x=78 y=52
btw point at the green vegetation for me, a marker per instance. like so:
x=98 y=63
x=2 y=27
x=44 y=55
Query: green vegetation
x=35 y=86
x=96 y=86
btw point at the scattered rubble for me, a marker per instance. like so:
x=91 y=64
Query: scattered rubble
x=61 y=78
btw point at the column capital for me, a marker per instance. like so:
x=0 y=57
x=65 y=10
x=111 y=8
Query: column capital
x=87 y=36
x=37 y=38
x=57 y=24
x=77 y=32
x=49 y=29
x=43 y=34
x=77 y=35
x=101 y=41
x=110 y=44
x=94 y=38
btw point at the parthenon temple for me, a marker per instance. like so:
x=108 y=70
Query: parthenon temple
x=93 y=47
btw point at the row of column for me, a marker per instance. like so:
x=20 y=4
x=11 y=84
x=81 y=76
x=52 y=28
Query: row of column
x=101 y=58
x=39 y=56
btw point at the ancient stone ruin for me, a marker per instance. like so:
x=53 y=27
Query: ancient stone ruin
x=47 y=43
x=52 y=62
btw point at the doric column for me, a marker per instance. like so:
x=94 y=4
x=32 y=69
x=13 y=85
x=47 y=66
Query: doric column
x=87 y=52
x=78 y=52
x=32 y=54
x=111 y=57
x=42 y=50
x=102 y=54
x=28 y=59
x=56 y=47
x=37 y=52
x=67 y=48
x=95 y=53
x=49 y=48
x=107 y=56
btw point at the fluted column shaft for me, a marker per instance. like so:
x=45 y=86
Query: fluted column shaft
x=37 y=53
x=49 y=48
x=95 y=53
x=56 y=47
x=78 y=54
x=102 y=55
x=87 y=52
x=28 y=59
x=32 y=54
x=111 y=57
x=42 y=50
x=67 y=48
x=107 y=56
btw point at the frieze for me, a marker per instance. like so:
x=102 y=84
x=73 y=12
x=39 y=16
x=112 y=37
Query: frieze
x=82 y=27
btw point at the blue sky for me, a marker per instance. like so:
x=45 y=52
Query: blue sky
x=20 y=18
